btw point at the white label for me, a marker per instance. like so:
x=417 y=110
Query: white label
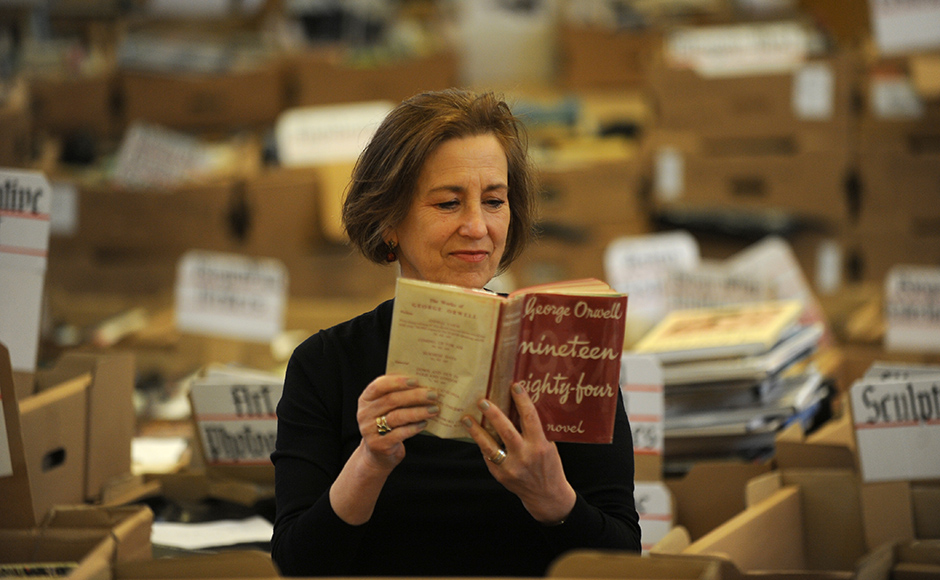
x=901 y=26
x=25 y=208
x=894 y=97
x=814 y=92
x=6 y=462
x=897 y=429
x=654 y=506
x=739 y=49
x=330 y=134
x=231 y=296
x=640 y=266
x=641 y=382
x=236 y=418
x=912 y=308
x=669 y=174
x=64 y=220
x=829 y=266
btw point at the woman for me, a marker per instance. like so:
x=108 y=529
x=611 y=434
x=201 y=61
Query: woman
x=444 y=188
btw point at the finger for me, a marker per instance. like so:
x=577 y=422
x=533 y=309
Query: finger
x=385 y=385
x=500 y=424
x=530 y=424
x=489 y=447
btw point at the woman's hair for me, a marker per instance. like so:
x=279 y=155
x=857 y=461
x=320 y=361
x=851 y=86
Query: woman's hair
x=385 y=178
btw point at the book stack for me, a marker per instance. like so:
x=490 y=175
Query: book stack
x=733 y=377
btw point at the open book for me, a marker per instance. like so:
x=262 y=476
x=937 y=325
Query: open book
x=562 y=341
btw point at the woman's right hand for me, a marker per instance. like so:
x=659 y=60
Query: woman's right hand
x=405 y=407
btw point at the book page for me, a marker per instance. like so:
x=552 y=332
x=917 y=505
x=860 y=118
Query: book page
x=444 y=337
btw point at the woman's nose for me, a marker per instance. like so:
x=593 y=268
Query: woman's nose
x=473 y=224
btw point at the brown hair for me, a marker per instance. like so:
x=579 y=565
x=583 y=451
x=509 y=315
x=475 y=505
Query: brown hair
x=385 y=177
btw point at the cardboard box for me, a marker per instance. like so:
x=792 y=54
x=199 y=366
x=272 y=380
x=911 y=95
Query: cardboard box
x=46 y=437
x=66 y=105
x=795 y=522
x=282 y=211
x=817 y=95
x=711 y=493
x=94 y=538
x=592 y=191
x=899 y=177
x=111 y=418
x=220 y=102
x=16 y=129
x=324 y=76
x=797 y=173
x=870 y=253
x=228 y=564
x=594 y=57
x=609 y=564
x=114 y=221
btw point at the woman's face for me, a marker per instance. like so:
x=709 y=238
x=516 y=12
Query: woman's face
x=455 y=230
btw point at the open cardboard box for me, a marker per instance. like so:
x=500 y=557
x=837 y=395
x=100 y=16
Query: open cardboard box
x=624 y=565
x=796 y=522
x=91 y=537
x=69 y=437
x=229 y=564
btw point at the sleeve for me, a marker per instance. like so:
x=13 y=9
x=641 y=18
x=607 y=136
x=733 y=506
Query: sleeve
x=604 y=515
x=309 y=538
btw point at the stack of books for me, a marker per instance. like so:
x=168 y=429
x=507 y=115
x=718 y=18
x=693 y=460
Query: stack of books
x=733 y=377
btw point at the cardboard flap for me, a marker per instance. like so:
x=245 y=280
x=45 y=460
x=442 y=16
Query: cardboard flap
x=14 y=489
x=229 y=564
x=605 y=564
x=763 y=536
x=762 y=487
x=674 y=542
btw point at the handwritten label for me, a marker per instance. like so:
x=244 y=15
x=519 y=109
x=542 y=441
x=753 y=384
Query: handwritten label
x=912 y=308
x=744 y=49
x=328 y=134
x=25 y=210
x=897 y=415
x=641 y=381
x=231 y=296
x=639 y=266
x=236 y=418
x=654 y=505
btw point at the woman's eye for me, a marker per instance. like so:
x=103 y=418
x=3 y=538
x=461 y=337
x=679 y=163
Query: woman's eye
x=448 y=204
x=496 y=203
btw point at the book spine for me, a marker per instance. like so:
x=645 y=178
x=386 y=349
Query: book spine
x=504 y=354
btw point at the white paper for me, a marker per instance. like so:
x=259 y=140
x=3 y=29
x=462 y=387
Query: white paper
x=669 y=175
x=199 y=536
x=327 y=134
x=897 y=428
x=739 y=49
x=157 y=454
x=654 y=505
x=814 y=92
x=912 y=308
x=236 y=418
x=639 y=266
x=230 y=295
x=641 y=383
x=901 y=26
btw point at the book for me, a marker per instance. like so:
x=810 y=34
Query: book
x=759 y=367
x=721 y=332
x=563 y=342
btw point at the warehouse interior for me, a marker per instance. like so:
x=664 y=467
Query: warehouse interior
x=171 y=182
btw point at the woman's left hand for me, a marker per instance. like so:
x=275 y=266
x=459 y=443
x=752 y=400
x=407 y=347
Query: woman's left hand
x=528 y=465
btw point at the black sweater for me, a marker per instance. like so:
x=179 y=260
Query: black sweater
x=440 y=512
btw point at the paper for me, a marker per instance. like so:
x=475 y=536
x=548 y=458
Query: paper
x=157 y=454
x=901 y=26
x=211 y=534
x=230 y=295
x=654 y=505
x=642 y=385
x=912 y=308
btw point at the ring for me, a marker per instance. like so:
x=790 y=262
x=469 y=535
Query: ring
x=499 y=457
x=382 y=424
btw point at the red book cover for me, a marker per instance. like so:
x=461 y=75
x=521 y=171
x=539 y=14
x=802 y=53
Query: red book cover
x=568 y=359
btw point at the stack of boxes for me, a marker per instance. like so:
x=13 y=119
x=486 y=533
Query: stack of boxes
x=755 y=144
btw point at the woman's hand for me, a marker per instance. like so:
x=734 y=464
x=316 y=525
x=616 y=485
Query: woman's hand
x=391 y=409
x=531 y=467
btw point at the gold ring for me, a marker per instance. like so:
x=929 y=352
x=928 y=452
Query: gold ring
x=499 y=457
x=382 y=424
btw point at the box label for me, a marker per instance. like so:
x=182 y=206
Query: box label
x=231 y=296
x=329 y=134
x=25 y=210
x=901 y=26
x=236 y=418
x=814 y=92
x=912 y=308
x=897 y=428
x=654 y=505
x=641 y=382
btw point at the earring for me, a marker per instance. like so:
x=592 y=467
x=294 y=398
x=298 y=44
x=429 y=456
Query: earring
x=390 y=256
